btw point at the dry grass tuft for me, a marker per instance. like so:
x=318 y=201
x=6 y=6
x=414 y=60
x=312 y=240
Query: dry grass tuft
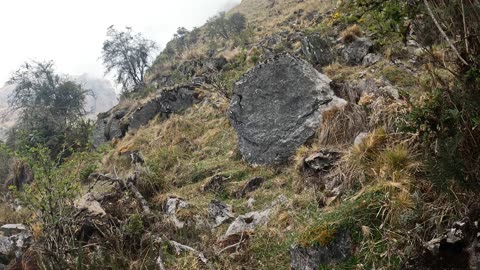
x=352 y=33
x=340 y=126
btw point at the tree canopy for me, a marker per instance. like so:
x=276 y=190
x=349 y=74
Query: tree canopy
x=127 y=53
x=50 y=106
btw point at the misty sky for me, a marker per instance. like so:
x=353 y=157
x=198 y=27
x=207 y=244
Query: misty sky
x=71 y=32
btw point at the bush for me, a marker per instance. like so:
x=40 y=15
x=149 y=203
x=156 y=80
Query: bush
x=51 y=198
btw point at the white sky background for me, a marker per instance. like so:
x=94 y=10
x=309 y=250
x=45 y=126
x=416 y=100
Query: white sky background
x=71 y=32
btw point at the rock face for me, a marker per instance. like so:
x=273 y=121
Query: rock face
x=119 y=120
x=311 y=258
x=322 y=161
x=14 y=240
x=456 y=248
x=219 y=213
x=249 y=221
x=317 y=50
x=277 y=106
x=355 y=52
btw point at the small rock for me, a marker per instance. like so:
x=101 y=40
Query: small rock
x=370 y=59
x=252 y=185
x=250 y=202
x=88 y=202
x=322 y=161
x=172 y=205
x=311 y=258
x=12 y=229
x=317 y=50
x=391 y=91
x=249 y=221
x=219 y=213
x=360 y=138
x=354 y=52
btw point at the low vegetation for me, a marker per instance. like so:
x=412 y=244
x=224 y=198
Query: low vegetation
x=412 y=173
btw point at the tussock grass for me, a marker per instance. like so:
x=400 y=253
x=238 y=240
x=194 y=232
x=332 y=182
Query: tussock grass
x=340 y=126
x=352 y=33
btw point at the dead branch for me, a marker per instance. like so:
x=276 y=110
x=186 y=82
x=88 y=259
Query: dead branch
x=430 y=12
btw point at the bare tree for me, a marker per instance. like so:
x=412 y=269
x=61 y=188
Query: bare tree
x=128 y=54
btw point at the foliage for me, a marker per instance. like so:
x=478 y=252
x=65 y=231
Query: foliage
x=129 y=55
x=51 y=109
x=5 y=158
x=448 y=118
x=388 y=20
x=51 y=198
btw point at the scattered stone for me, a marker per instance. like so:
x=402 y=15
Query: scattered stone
x=250 y=202
x=252 y=220
x=317 y=50
x=277 y=106
x=249 y=221
x=251 y=185
x=360 y=138
x=172 y=205
x=219 y=213
x=12 y=229
x=370 y=59
x=456 y=248
x=87 y=202
x=354 y=52
x=312 y=258
x=322 y=161
x=390 y=91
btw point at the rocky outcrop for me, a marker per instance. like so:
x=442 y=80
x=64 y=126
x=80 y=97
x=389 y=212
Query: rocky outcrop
x=252 y=220
x=219 y=213
x=14 y=240
x=355 y=52
x=456 y=248
x=317 y=50
x=121 y=119
x=172 y=206
x=277 y=106
x=311 y=258
x=322 y=161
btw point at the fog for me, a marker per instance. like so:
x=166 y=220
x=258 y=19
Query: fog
x=71 y=32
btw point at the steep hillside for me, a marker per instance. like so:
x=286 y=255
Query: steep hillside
x=313 y=135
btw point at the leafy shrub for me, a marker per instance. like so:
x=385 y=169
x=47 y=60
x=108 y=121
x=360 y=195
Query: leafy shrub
x=388 y=20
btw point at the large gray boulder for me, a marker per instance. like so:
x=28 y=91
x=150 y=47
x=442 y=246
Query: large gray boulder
x=277 y=106
x=121 y=119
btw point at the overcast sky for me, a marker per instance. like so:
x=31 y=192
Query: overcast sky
x=71 y=32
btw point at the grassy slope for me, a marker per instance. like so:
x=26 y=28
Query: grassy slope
x=386 y=196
